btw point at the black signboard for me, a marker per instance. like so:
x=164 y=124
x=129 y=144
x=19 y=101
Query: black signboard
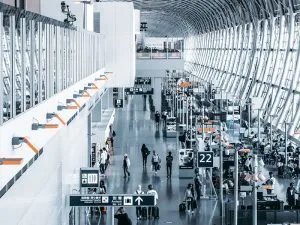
x=139 y=91
x=118 y=103
x=93 y=200
x=205 y=159
x=93 y=155
x=89 y=177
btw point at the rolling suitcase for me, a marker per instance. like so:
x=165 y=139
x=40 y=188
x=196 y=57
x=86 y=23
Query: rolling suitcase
x=155 y=212
x=182 y=207
x=144 y=213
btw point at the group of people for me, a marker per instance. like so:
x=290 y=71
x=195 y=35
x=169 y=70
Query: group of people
x=156 y=160
x=151 y=212
x=163 y=116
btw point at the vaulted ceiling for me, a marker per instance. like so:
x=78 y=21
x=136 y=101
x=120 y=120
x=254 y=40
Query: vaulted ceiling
x=188 y=17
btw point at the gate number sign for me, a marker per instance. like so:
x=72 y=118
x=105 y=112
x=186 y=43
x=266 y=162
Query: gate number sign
x=205 y=159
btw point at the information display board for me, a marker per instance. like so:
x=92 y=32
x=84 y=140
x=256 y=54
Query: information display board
x=91 y=200
x=118 y=103
x=89 y=177
x=139 y=91
x=205 y=159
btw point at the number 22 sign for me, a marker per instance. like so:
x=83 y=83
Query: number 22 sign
x=205 y=159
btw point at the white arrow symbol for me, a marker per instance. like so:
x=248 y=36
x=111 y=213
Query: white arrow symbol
x=139 y=200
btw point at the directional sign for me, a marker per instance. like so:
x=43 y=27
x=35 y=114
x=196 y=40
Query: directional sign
x=205 y=159
x=91 y=200
x=89 y=177
x=119 y=103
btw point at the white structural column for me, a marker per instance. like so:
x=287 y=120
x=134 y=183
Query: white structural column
x=1 y=69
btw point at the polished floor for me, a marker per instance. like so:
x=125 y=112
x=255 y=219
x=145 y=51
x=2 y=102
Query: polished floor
x=134 y=126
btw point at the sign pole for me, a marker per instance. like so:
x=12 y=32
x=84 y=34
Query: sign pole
x=112 y=215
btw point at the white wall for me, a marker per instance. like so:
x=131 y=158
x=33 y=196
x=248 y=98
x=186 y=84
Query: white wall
x=118 y=25
x=40 y=196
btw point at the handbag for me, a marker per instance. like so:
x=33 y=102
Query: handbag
x=158 y=167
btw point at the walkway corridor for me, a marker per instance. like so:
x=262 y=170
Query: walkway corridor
x=134 y=127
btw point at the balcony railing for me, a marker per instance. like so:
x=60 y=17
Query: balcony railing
x=159 y=55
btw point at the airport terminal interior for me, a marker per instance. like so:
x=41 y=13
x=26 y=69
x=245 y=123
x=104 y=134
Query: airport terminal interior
x=149 y=112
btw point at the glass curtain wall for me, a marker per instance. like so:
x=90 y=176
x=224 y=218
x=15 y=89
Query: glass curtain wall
x=255 y=59
x=41 y=57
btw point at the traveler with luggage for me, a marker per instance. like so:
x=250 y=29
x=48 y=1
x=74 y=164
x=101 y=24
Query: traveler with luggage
x=198 y=183
x=145 y=152
x=153 y=212
x=155 y=162
x=122 y=217
x=169 y=161
x=126 y=165
x=189 y=198
x=139 y=213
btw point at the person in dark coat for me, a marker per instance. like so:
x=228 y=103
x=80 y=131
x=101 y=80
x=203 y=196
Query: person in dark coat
x=145 y=152
x=290 y=195
x=169 y=161
x=122 y=217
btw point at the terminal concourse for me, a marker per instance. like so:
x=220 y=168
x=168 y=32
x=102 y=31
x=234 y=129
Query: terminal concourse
x=183 y=112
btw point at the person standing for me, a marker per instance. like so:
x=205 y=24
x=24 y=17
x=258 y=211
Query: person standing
x=169 y=161
x=152 y=209
x=139 y=209
x=290 y=195
x=122 y=217
x=145 y=152
x=126 y=165
x=271 y=183
x=198 y=183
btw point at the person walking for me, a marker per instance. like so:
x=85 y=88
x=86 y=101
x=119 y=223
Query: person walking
x=153 y=211
x=126 y=165
x=198 y=183
x=139 y=209
x=122 y=217
x=102 y=162
x=155 y=162
x=157 y=118
x=169 y=161
x=145 y=152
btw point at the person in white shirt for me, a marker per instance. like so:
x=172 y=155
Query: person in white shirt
x=102 y=161
x=271 y=182
x=151 y=191
x=139 y=209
